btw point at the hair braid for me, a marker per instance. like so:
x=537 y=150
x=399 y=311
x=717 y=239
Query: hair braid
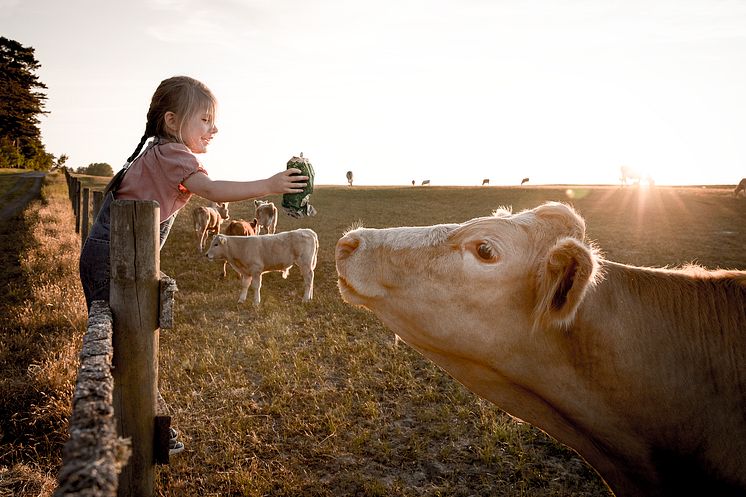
x=139 y=147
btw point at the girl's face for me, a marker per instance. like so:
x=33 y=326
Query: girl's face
x=198 y=131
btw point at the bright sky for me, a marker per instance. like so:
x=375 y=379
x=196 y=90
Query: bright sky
x=561 y=91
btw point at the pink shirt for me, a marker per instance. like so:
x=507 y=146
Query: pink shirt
x=158 y=173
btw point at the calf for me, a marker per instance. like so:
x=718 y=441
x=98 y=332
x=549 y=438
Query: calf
x=641 y=370
x=208 y=220
x=252 y=256
x=266 y=216
x=239 y=227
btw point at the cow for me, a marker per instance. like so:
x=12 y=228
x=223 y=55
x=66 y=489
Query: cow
x=485 y=181
x=239 y=227
x=641 y=370
x=740 y=188
x=266 y=215
x=425 y=182
x=349 y=177
x=630 y=175
x=524 y=181
x=252 y=256
x=208 y=220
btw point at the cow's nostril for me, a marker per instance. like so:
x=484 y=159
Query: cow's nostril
x=346 y=246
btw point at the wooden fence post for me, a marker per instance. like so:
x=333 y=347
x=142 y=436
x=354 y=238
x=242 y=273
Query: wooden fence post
x=76 y=205
x=86 y=210
x=134 y=302
x=98 y=199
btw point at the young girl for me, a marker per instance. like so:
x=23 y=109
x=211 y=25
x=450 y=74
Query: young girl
x=181 y=123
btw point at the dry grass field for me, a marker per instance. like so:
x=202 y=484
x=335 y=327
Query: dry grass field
x=314 y=399
x=297 y=399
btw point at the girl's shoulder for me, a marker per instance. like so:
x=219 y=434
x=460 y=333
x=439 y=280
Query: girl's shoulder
x=176 y=153
x=176 y=157
x=176 y=147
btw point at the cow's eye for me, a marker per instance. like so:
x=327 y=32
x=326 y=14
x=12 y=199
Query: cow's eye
x=485 y=252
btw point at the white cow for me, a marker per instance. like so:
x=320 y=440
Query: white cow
x=252 y=256
x=641 y=370
x=266 y=216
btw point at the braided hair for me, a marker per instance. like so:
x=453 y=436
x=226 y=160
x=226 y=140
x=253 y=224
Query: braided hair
x=182 y=95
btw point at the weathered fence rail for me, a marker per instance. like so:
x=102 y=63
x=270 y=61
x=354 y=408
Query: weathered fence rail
x=94 y=454
x=116 y=433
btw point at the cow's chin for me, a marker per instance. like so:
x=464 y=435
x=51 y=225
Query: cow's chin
x=348 y=292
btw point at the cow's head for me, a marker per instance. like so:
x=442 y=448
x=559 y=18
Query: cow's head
x=216 y=251
x=222 y=208
x=477 y=294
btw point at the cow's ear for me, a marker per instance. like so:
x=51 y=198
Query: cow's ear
x=564 y=276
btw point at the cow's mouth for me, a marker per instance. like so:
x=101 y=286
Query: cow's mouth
x=348 y=292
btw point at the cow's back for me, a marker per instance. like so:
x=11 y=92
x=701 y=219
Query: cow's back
x=276 y=251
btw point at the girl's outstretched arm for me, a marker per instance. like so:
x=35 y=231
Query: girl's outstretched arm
x=234 y=191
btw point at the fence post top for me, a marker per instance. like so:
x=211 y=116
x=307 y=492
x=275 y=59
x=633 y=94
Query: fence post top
x=128 y=202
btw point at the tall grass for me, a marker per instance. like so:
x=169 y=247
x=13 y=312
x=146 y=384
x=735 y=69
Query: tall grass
x=43 y=317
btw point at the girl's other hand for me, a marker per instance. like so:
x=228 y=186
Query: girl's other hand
x=288 y=181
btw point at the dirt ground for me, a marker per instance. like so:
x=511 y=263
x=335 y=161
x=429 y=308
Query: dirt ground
x=13 y=203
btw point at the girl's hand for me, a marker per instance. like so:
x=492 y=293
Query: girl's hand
x=287 y=181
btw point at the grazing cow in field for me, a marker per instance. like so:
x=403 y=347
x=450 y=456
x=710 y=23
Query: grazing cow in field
x=741 y=187
x=252 y=256
x=266 y=216
x=631 y=175
x=642 y=371
x=239 y=227
x=208 y=220
x=485 y=181
x=524 y=181
x=425 y=182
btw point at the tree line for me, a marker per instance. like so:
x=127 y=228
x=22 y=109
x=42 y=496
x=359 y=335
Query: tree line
x=22 y=101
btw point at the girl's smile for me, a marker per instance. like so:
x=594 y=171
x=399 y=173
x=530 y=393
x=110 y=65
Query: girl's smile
x=198 y=131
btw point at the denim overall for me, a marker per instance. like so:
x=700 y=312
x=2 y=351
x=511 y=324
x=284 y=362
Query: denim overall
x=95 y=267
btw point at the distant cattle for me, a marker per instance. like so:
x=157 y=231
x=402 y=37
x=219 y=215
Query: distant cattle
x=630 y=175
x=349 y=177
x=266 y=216
x=485 y=181
x=425 y=182
x=252 y=256
x=208 y=220
x=413 y=182
x=741 y=187
x=641 y=370
x=524 y=181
